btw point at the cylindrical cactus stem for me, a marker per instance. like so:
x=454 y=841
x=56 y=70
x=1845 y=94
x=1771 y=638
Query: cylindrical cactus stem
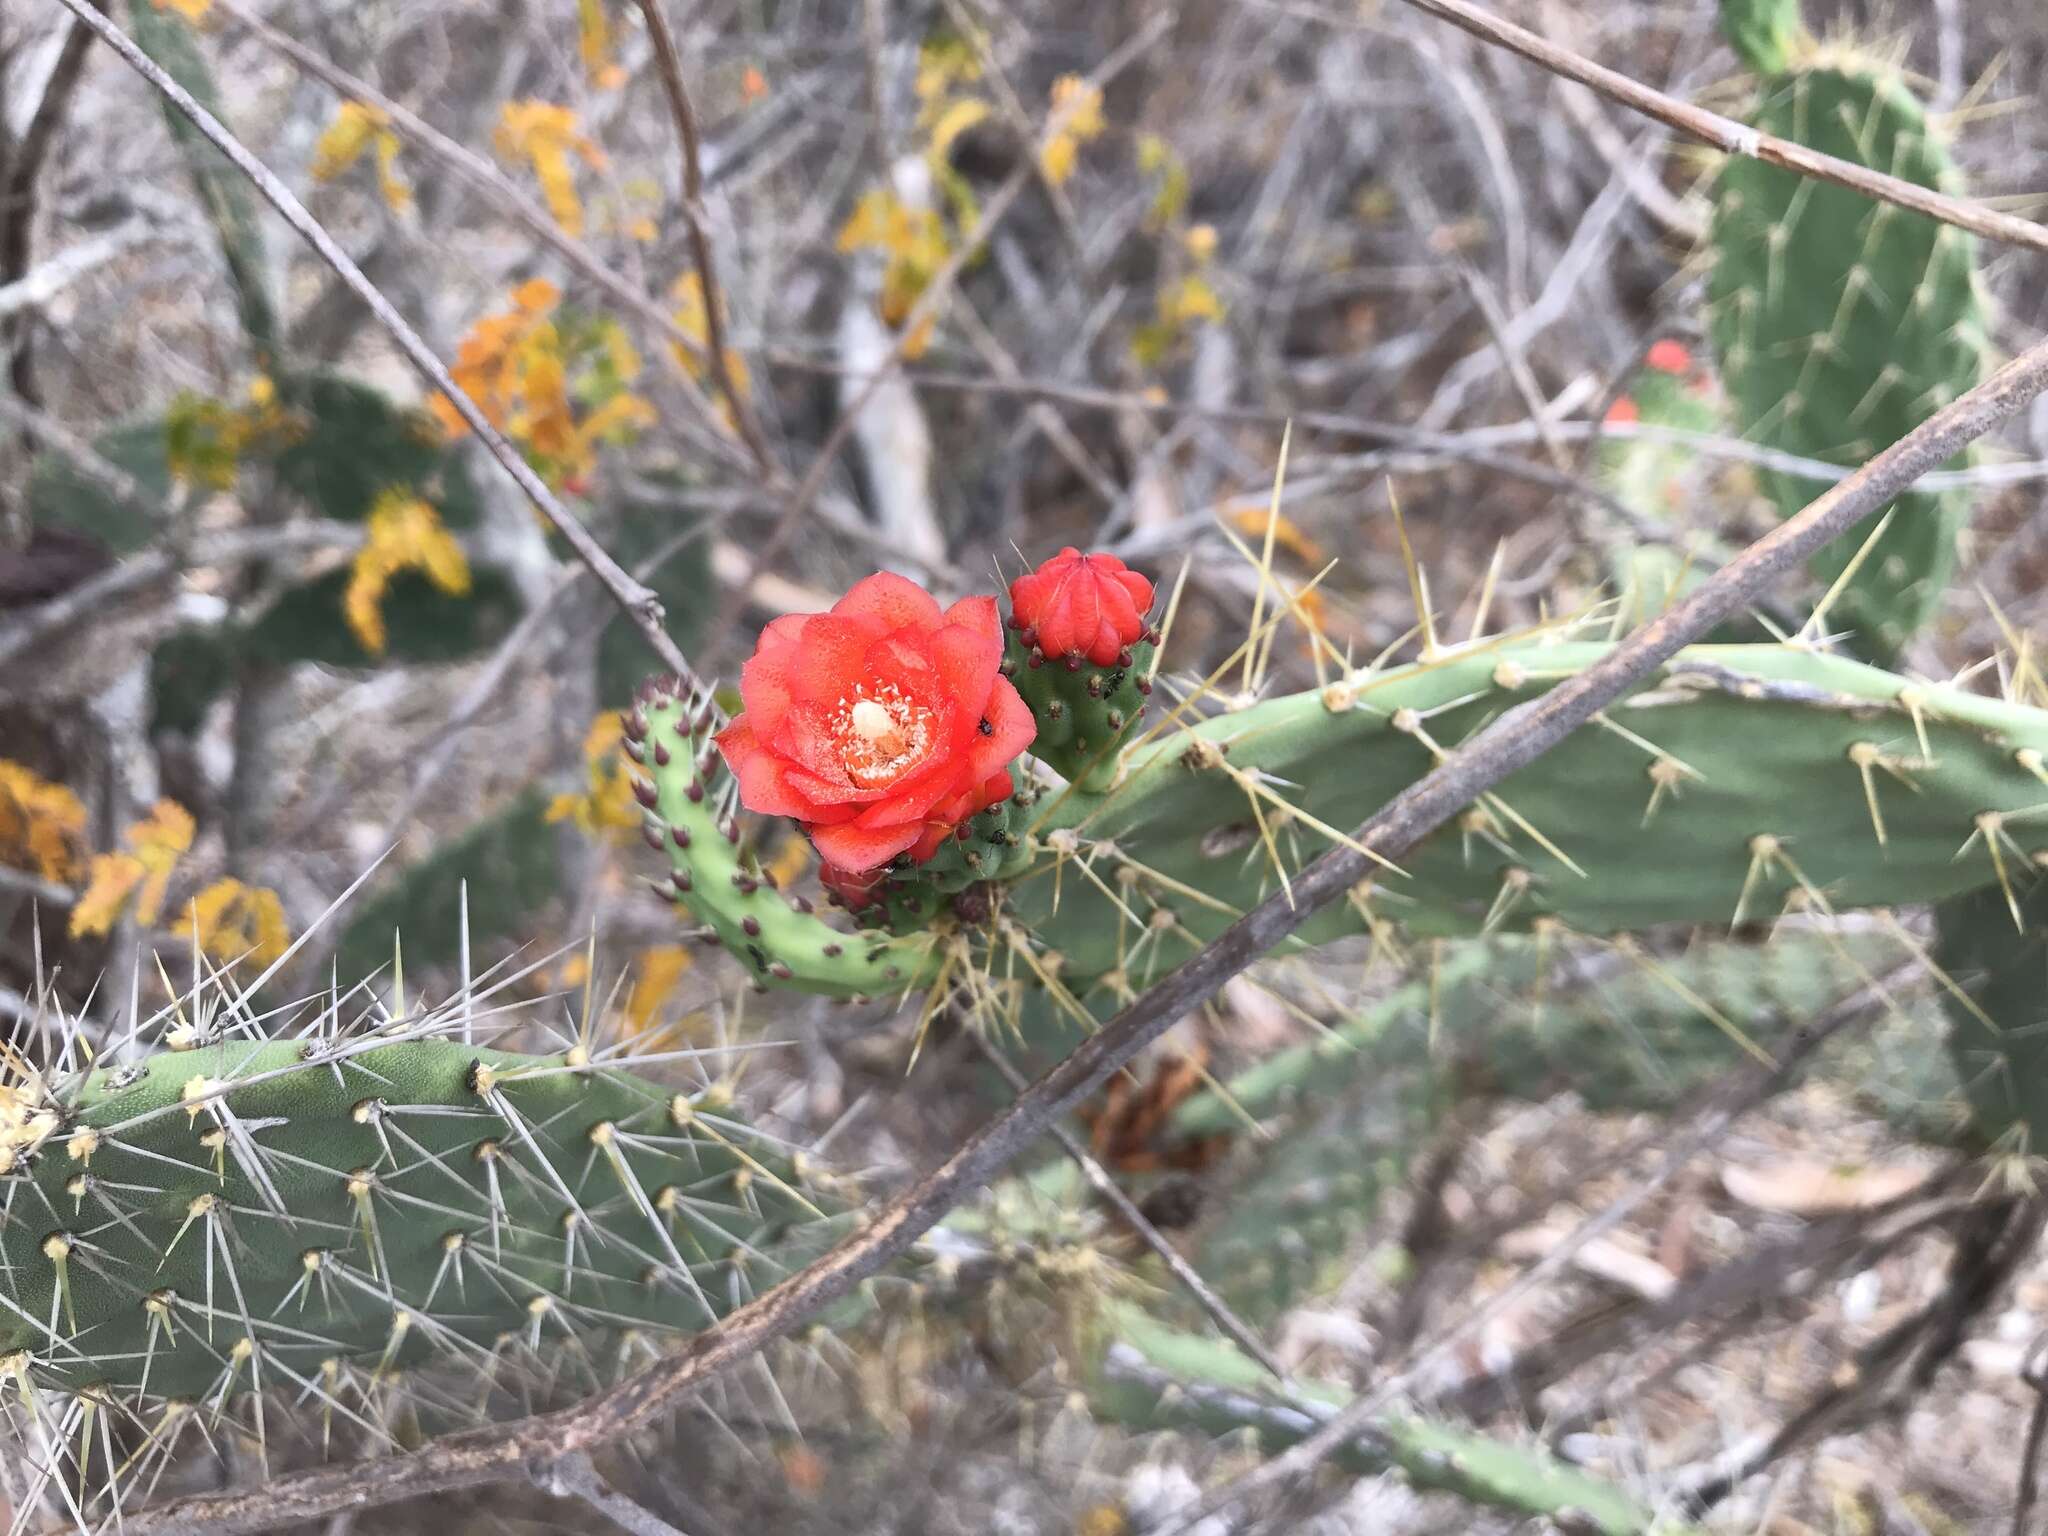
x=1765 y=33
x=1080 y=652
x=687 y=794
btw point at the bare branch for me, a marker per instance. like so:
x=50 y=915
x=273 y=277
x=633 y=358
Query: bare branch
x=669 y=62
x=1733 y=138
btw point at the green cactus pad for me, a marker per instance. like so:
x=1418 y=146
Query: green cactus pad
x=1766 y=33
x=1741 y=779
x=1998 y=1026
x=263 y=1214
x=1154 y=1377
x=1843 y=323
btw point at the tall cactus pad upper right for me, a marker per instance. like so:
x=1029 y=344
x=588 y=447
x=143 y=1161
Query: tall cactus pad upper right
x=1765 y=32
x=1080 y=652
x=1843 y=323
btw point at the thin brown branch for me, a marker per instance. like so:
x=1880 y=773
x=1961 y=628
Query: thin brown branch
x=639 y=602
x=1511 y=742
x=1127 y=1211
x=1731 y=137
x=668 y=61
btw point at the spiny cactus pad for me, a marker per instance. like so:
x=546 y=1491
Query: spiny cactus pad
x=1766 y=33
x=270 y=1214
x=1740 y=781
x=1084 y=712
x=1843 y=323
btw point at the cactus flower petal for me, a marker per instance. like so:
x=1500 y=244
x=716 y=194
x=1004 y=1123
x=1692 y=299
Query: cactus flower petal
x=880 y=725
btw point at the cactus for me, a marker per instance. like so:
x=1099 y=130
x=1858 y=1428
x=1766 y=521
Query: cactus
x=225 y=195
x=692 y=819
x=1995 y=953
x=1842 y=323
x=1766 y=33
x=1079 y=650
x=1771 y=775
x=1152 y=1377
x=293 y=1213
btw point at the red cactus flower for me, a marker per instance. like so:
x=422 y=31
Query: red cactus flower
x=875 y=724
x=1081 y=605
x=852 y=891
x=1622 y=412
x=1668 y=356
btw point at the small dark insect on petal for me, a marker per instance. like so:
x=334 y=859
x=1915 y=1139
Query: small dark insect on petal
x=986 y=729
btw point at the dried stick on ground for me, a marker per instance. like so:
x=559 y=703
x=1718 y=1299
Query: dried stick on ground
x=638 y=601
x=510 y=1451
x=1733 y=138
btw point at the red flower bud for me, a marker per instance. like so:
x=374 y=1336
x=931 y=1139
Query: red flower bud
x=1082 y=605
x=879 y=725
x=1622 y=412
x=1668 y=356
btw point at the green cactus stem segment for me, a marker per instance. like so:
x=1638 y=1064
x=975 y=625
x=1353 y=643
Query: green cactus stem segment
x=691 y=807
x=1085 y=713
x=1743 y=779
x=261 y=1215
x=1841 y=324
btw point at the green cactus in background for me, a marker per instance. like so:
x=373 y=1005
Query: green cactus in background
x=1766 y=33
x=222 y=190
x=1153 y=1377
x=1842 y=323
x=1995 y=949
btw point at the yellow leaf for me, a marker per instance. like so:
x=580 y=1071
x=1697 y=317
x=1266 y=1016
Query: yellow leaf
x=656 y=977
x=1286 y=533
x=404 y=533
x=1189 y=299
x=641 y=228
x=545 y=135
x=1057 y=158
x=1077 y=107
x=42 y=824
x=193 y=11
x=236 y=921
x=956 y=119
x=1200 y=241
x=113 y=879
x=594 y=43
x=606 y=807
x=156 y=844
x=943 y=63
x=160 y=839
